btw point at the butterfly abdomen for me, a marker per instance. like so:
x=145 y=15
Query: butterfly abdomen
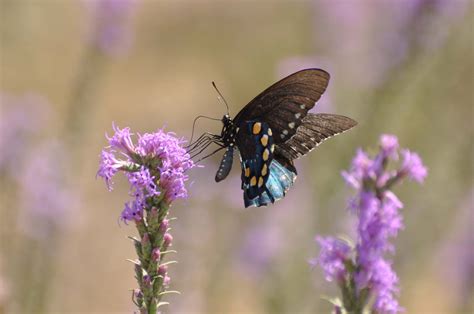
x=226 y=164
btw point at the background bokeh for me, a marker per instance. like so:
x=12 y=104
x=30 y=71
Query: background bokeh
x=71 y=68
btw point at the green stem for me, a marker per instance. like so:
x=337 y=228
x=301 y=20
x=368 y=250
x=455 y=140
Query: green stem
x=150 y=281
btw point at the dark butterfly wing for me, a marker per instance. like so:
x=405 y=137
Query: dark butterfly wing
x=314 y=130
x=256 y=150
x=264 y=179
x=285 y=104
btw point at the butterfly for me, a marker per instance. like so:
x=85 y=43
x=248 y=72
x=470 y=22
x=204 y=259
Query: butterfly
x=271 y=131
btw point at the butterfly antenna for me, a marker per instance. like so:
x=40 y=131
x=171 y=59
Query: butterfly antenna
x=194 y=124
x=221 y=98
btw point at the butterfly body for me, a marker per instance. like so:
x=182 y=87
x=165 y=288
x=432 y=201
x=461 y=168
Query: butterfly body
x=274 y=129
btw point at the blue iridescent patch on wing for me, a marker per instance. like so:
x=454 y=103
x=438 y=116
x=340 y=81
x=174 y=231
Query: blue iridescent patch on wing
x=264 y=179
x=279 y=182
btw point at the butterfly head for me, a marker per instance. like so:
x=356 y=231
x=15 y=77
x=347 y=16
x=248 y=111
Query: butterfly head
x=227 y=120
x=229 y=131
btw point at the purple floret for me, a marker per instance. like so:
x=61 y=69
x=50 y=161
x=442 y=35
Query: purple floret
x=389 y=146
x=413 y=166
x=332 y=257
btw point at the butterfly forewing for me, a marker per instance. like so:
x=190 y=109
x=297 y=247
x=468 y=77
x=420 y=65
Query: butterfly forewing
x=284 y=104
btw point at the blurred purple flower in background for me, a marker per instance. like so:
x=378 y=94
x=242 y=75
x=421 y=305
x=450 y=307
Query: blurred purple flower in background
x=156 y=169
x=47 y=199
x=456 y=251
x=112 y=30
x=379 y=220
x=38 y=172
x=265 y=243
x=371 y=39
x=432 y=30
x=260 y=246
x=21 y=118
x=38 y=199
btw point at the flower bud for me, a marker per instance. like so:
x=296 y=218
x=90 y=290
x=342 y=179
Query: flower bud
x=138 y=293
x=146 y=239
x=164 y=226
x=138 y=297
x=162 y=269
x=155 y=255
x=147 y=280
x=167 y=240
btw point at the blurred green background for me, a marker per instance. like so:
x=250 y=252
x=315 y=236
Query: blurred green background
x=400 y=67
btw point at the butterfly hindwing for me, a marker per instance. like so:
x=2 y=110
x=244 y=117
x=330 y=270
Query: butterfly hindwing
x=285 y=104
x=280 y=180
x=255 y=143
x=264 y=178
x=314 y=130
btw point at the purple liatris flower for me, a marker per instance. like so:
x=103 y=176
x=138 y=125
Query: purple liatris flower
x=365 y=266
x=112 y=33
x=155 y=166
